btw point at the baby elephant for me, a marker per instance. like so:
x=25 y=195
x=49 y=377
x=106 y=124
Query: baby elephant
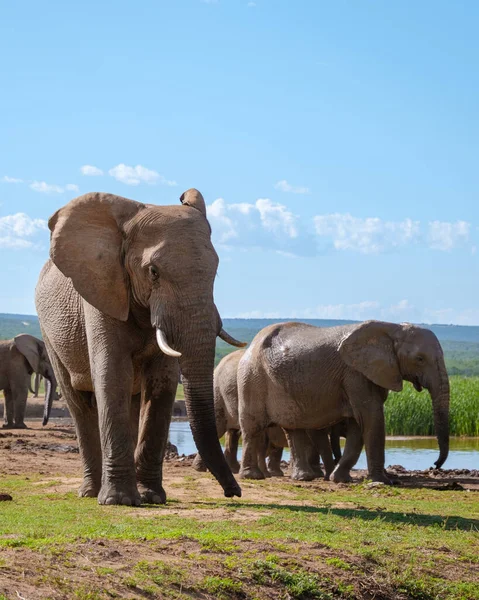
x=19 y=358
x=300 y=376
x=227 y=423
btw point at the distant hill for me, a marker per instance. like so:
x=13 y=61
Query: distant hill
x=12 y=325
x=460 y=343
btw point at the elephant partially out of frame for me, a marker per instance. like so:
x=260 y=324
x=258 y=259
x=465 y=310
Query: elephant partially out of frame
x=300 y=376
x=316 y=443
x=134 y=283
x=19 y=358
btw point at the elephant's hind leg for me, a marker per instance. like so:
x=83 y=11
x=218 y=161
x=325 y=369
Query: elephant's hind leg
x=82 y=407
x=8 y=413
x=352 y=450
x=232 y=437
x=302 y=455
x=275 y=454
x=159 y=383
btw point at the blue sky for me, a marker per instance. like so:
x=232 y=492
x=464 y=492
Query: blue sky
x=336 y=143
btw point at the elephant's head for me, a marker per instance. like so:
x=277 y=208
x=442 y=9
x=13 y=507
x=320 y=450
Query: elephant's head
x=36 y=355
x=155 y=265
x=387 y=353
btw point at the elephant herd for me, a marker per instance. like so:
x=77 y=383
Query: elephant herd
x=310 y=382
x=126 y=278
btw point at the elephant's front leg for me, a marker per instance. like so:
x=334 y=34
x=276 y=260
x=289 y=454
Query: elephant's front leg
x=112 y=380
x=374 y=432
x=159 y=383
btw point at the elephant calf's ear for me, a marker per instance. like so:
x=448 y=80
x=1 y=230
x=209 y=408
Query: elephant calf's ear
x=369 y=349
x=31 y=348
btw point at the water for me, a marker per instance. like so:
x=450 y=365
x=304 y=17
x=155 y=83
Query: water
x=411 y=453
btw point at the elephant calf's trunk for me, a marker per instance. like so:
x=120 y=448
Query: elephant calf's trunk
x=47 y=408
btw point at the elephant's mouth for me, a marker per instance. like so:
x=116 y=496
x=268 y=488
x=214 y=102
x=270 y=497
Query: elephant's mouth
x=417 y=386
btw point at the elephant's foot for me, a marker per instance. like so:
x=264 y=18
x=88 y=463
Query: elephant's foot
x=251 y=473
x=276 y=472
x=152 y=496
x=8 y=426
x=199 y=465
x=233 y=465
x=304 y=475
x=14 y=426
x=318 y=471
x=380 y=477
x=115 y=493
x=88 y=489
x=341 y=476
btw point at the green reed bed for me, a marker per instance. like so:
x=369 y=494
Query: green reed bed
x=410 y=412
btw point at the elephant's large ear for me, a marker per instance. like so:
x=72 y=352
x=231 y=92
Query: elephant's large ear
x=31 y=348
x=194 y=198
x=370 y=350
x=86 y=245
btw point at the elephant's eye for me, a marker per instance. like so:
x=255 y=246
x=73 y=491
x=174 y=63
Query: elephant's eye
x=420 y=359
x=154 y=274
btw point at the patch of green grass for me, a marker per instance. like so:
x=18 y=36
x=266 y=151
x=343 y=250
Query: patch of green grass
x=222 y=587
x=404 y=537
x=298 y=584
x=338 y=563
x=410 y=412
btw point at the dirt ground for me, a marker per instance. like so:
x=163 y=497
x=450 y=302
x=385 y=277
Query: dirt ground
x=52 y=453
x=53 y=449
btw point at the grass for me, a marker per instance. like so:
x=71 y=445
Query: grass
x=339 y=542
x=410 y=413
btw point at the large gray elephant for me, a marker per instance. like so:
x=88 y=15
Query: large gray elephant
x=19 y=358
x=124 y=278
x=300 y=376
x=314 y=443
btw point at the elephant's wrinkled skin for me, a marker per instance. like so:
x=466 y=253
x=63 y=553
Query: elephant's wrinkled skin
x=300 y=376
x=120 y=270
x=19 y=358
x=315 y=443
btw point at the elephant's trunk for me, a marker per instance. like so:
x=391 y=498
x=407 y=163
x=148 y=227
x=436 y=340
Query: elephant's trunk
x=197 y=372
x=440 y=404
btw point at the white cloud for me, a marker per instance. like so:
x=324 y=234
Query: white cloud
x=7 y=179
x=284 y=186
x=444 y=235
x=264 y=224
x=137 y=175
x=209 y=1
x=251 y=4
x=91 y=171
x=46 y=188
x=49 y=188
x=367 y=236
x=15 y=228
x=276 y=218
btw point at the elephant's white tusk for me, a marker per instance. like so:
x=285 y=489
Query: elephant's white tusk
x=163 y=344
x=226 y=337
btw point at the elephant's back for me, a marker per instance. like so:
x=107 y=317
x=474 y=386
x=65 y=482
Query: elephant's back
x=299 y=358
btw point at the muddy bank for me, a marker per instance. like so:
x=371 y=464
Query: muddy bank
x=53 y=450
